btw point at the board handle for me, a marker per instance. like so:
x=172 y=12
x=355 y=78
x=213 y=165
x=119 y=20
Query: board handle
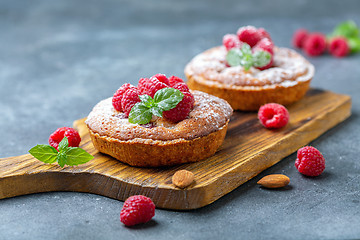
x=24 y=174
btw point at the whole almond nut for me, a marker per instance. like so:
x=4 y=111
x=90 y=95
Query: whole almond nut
x=182 y=178
x=274 y=181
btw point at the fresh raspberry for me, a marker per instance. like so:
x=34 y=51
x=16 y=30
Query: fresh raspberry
x=339 y=47
x=310 y=161
x=130 y=98
x=142 y=85
x=263 y=33
x=71 y=134
x=265 y=44
x=299 y=38
x=137 y=209
x=231 y=41
x=182 y=110
x=173 y=80
x=249 y=34
x=150 y=86
x=273 y=115
x=162 y=78
x=116 y=100
x=315 y=44
x=182 y=87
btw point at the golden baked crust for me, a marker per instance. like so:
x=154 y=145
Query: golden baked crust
x=285 y=83
x=161 y=143
x=156 y=153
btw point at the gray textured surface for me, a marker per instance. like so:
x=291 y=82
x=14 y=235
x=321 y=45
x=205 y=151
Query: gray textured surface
x=59 y=58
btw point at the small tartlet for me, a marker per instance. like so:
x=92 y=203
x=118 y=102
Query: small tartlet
x=161 y=142
x=285 y=82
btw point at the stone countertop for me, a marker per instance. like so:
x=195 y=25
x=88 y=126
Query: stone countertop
x=59 y=58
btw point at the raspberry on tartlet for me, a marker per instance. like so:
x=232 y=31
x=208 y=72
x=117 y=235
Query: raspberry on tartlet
x=129 y=99
x=118 y=95
x=249 y=34
x=231 y=41
x=174 y=80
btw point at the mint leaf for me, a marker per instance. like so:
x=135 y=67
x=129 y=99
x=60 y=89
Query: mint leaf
x=354 y=44
x=76 y=156
x=157 y=111
x=66 y=155
x=63 y=144
x=164 y=100
x=247 y=61
x=140 y=114
x=233 y=57
x=261 y=58
x=44 y=153
x=244 y=57
x=168 y=98
x=347 y=29
x=147 y=100
x=61 y=159
x=246 y=49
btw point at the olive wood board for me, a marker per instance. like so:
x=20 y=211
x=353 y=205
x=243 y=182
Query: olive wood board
x=248 y=149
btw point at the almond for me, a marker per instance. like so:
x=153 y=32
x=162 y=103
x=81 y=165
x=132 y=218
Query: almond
x=274 y=181
x=182 y=178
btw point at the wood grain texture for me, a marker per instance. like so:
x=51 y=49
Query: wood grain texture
x=248 y=149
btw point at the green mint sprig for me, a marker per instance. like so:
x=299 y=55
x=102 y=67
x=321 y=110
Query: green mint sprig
x=244 y=57
x=351 y=32
x=65 y=156
x=164 y=100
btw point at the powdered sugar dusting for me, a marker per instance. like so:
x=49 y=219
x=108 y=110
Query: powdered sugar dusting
x=289 y=68
x=209 y=114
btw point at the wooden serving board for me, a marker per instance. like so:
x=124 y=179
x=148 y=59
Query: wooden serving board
x=248 y=149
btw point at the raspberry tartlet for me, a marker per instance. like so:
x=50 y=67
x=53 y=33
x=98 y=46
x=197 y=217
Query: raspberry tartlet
x=283 y=78
x=159 y=123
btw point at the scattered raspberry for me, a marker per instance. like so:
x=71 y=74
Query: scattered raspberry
x=137 y=209
x=339 y=47
x=162 y=78
x=182 y=87
x=71 y=134
x=249 y=34
x=182 y=110
x=151 y=86
x=299 y=38
x=130 y=98
x=116 y=100
x=173 y=80
x=265 y=44
x=315 y=44
x=310 y=161
x=231 y=41
x=263 y=33
x=273 y=115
